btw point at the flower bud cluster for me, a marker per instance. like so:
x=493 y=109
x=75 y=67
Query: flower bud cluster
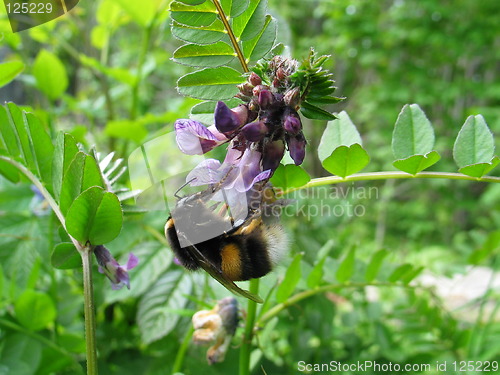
x=265 y=125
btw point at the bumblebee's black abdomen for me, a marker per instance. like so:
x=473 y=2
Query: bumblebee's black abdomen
x=245 y=257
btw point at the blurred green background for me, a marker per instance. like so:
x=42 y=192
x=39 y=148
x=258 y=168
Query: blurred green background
x=103 y=73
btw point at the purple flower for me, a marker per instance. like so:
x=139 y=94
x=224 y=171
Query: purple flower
x=291 y=121
x=297 y=148
x=193 y=138
x=118 y=275
x=228 y=120
x=254 y=131
x=266 y=99
x=273 y=153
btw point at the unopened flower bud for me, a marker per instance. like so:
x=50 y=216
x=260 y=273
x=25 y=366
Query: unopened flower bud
x=246 y=89
x=257 y=89
x=291 y=121
x=254 y=131
x=292 y=97
x=265 y=99
x=297 y=148
x=254 y=79
x=280 y=74
x=273 y=153
x=227 y=121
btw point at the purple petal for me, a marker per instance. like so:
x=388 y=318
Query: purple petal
x=225 y=120
x=207 y=172
x=193 y=138
x=254 y=131
x=297 y=147
x=291 y=122
x=132 y=262
x=273 y=153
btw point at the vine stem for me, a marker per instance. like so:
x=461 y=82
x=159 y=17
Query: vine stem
x=331 y=180
x=271 y=313
x=231 y=35
x=246 y=346
x=89 y=311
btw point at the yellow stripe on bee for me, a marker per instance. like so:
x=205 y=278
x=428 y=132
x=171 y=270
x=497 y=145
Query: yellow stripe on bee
x=231 y=262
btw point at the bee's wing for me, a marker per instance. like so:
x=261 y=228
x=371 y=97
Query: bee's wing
x=219 y=276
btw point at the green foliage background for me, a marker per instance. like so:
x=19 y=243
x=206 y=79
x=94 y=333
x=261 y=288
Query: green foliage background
x=104 y=74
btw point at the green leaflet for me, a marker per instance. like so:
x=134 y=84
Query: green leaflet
x=168 y=294
x=346 y=160
x=210 y=45
x=50 y=74
x=292 y=277
x=346 y=267
x=94 y=216
x=210 y=83
x=24 y=138
x=9 y=70
x=212 y=55
x=290 y=176
x=417 y=163
x=65 y=256
x=413 y=140
x=338 y=132
x=200 y=15
x=259 y=46
x=199 y=35
x=474 y=148
x=413 y=133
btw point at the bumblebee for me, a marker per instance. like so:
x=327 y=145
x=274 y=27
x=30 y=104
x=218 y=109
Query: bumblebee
x=229 y=251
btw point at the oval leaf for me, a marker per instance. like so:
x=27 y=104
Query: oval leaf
x=258 y=47
x=210 y=83
x=292 y=277
x=94 y=216
x=375 y=264
x=345 y=161
x=474 y=143
x=290 y=176
x=338 y=132
x=212 y=55
x=34 y=310
x=417 y=163
x=9 y=70
x=413 y=133
x=65 y=256
x=199 y=35
x=200 y=15
x=155 y=315
x=480 y=169
x=50 y=74
x=346 y=268
x=251 y=21
x=315 y=113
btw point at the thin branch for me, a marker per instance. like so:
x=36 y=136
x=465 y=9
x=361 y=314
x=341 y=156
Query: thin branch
x=331 y=180
x=231 y=35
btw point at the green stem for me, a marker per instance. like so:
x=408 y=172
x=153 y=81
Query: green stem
x=89 y=310
x=311 y=292
x=390 y=175
x=246 y=346
x=181 y=353
x=142 y=58
x=231 y=35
